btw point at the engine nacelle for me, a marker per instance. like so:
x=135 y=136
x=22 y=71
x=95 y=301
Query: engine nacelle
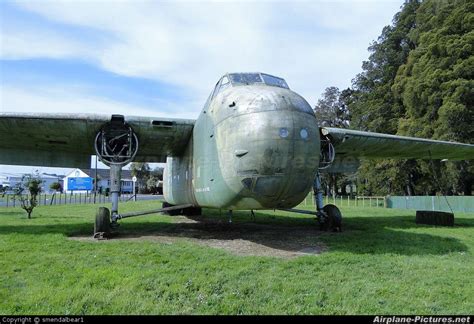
x=116 y=143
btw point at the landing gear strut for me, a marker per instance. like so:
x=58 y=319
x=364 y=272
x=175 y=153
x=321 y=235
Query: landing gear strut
x=116 y=144
x=329 y=216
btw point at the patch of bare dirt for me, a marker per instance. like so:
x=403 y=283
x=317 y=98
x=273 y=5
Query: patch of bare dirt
x=245 y=239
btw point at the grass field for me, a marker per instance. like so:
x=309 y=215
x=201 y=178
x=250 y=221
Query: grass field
x=382 y=263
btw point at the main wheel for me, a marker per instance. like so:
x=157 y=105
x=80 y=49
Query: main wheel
x=102 y=223
x=333 y=221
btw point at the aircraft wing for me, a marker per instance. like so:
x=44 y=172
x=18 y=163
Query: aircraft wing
x=352 y=145
x=67 y=140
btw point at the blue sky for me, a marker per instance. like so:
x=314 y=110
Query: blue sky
x=162 y=58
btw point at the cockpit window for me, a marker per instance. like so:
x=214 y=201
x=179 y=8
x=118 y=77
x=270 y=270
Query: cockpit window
x=245 y=78
x=256 y=78
x=274 y=81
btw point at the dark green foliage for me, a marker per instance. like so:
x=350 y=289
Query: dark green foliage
x=332 y=110
x=56 y=186
x=418 y=81
x=142 y=172
x=147 y=179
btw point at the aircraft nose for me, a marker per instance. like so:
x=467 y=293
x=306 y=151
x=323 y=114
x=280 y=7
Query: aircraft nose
x=273 y=144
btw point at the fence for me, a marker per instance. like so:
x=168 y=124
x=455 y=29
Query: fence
x=347 y=201
x=62 y=199
x=458 y=203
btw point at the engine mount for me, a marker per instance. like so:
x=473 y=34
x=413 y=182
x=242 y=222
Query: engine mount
x=116 y=143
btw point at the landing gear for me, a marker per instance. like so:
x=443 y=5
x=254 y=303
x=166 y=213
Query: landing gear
x=333 y=219
x=329 y=216
x=116 y=144
x=102 y=229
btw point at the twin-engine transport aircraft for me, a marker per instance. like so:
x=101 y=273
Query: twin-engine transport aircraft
x=255 y=145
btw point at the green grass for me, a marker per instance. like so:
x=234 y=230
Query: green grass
x=382 y=263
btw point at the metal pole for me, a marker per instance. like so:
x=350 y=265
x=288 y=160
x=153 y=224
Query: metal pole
x=318 y=192
x=115 y=175
x=95 y=179
x=134 y=196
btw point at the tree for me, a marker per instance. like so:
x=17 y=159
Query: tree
x=331 y=109
x=435 y=86
x=153 y=181
x=142 y=172
x=418 y=82
x=56 y=186
x=29 y=184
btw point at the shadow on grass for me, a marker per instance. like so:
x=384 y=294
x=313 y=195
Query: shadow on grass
x=12 y=213
x=361 y=235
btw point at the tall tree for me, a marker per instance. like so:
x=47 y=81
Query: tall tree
x=331 y=109
x=436 y=84
x=418 y=82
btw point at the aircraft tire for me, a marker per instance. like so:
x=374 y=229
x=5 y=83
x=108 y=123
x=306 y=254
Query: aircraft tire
x=334 y=220
x=439 y=218
x=102 y=223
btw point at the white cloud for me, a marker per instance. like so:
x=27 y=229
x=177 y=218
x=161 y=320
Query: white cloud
x=40 y=99
x=312 y=44
x=25 y=45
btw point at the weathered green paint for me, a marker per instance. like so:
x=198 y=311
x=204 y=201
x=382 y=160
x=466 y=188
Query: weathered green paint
x=369 y=145
x=239 y=160
x=67 y=140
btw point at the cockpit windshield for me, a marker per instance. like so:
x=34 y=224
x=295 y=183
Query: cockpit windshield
x=256 y=78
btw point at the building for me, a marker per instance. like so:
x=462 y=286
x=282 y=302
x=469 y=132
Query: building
x=82 y=181
x=77 y=181
x=13 y=180
x=103 y=176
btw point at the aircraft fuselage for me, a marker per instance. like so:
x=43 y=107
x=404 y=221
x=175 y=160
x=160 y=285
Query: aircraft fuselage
x=253 y=147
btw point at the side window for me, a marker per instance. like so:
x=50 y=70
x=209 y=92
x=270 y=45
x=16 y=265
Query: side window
x=216 y=89
x=224 y=83
x=213 y=93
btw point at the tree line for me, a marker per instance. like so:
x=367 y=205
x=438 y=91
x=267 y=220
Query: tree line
x=418 y=81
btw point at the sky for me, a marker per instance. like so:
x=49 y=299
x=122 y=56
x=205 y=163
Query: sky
x=162 y=58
